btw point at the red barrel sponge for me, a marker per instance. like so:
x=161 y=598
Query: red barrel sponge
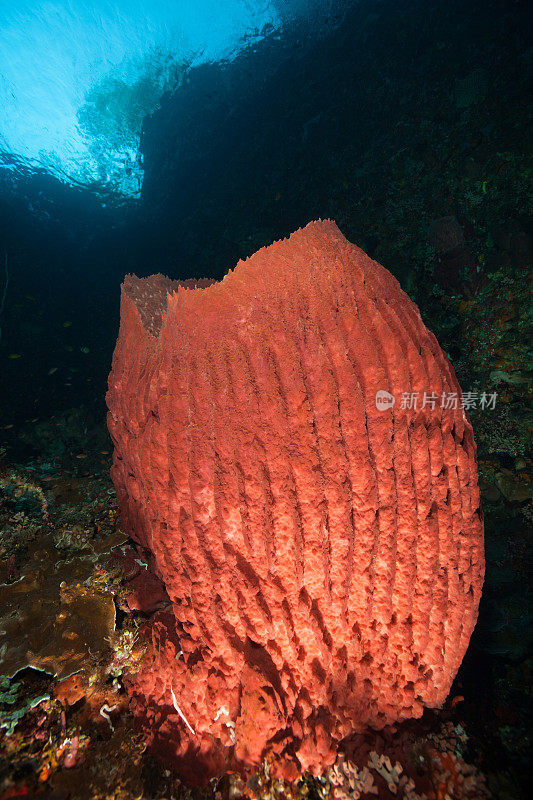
x=292 y=456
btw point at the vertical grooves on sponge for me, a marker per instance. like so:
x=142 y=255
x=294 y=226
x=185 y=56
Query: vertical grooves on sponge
x=323 y=549
x=439 y=522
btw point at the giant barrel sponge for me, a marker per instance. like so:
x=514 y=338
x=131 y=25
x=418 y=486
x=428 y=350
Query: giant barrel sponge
x=292 y=458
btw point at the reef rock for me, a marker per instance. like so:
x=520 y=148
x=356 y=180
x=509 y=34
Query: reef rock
x=292 y=458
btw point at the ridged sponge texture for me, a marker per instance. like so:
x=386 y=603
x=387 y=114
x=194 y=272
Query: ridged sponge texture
x=323 y=554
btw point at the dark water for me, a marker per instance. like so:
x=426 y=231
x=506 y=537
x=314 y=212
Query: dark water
x=246 y=152
x=400 y=113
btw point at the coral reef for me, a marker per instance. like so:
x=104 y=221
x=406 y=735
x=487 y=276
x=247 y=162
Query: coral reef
x=318 y=533
x=420 y=766
x=55 y=611
x=21 y=489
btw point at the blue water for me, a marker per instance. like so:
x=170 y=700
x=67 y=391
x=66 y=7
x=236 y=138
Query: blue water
x=77 y=78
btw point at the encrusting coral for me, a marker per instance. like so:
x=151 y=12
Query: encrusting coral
x=292 y=464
